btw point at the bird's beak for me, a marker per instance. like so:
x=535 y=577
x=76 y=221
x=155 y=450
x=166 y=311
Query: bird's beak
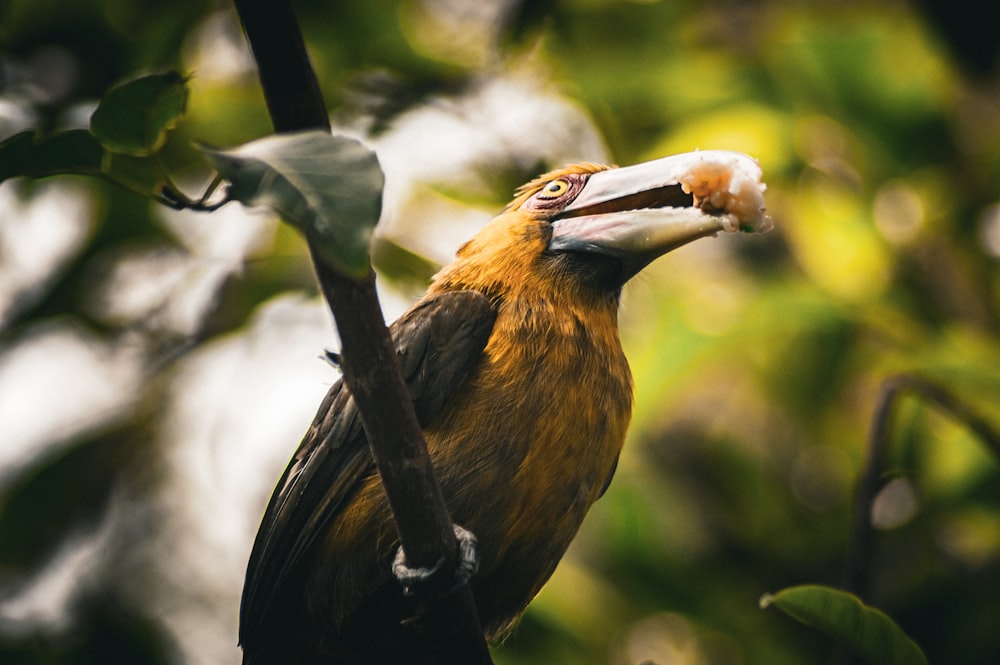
x=640 y=212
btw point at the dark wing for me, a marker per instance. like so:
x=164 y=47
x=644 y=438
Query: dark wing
x=438 y=342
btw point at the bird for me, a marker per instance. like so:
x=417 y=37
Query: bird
x=515 y=365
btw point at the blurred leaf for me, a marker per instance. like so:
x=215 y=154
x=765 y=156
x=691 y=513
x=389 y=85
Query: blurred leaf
x=141 y=175
x=835 y=241
x=134 y=117
x=754 y=129
x=525 y=20
x=399 y=263
x=105 y=633
x=329 y=187
x=27 y=154
x=866 y=630
x=58 y=498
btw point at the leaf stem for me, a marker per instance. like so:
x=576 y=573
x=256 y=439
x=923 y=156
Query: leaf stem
x=158 y=197
x=212 y=186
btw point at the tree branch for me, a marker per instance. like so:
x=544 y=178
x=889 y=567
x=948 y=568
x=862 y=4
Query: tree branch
x=368 y=357
x=857 y=564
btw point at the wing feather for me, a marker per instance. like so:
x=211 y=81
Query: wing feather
x=438 y=341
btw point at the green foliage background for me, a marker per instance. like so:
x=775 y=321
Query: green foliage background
x=756 y=359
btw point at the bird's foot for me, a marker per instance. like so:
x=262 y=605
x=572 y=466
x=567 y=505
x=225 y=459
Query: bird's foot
x=425 y=580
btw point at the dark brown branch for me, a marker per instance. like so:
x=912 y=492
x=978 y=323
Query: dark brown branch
x=286 y=75
x=368 y=358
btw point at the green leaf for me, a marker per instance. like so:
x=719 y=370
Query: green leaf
x=26 y=154
x=141 y=175
x=867 y=631
x=60 y=495
x=134 y=117
x=329 y=187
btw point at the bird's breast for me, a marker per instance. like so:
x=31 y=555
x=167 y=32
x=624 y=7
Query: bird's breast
x=528 y=445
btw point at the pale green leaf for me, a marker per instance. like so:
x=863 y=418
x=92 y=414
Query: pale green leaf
x=134 y=117
x=329 y=187
x=867 y=631
x=27 y=154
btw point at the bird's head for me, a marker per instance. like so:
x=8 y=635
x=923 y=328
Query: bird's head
x=596 y=227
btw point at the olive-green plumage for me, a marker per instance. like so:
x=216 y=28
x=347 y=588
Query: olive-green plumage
x=524 y=395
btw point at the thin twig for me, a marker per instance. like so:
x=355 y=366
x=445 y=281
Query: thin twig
x=857 y=564
x=856 y=568
x=858 y=560
x=212 y=186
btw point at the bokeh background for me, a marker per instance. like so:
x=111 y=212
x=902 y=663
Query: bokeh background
x=158 y=368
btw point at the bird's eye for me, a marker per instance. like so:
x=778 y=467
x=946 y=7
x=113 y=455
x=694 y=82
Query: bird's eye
x=554 y=189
